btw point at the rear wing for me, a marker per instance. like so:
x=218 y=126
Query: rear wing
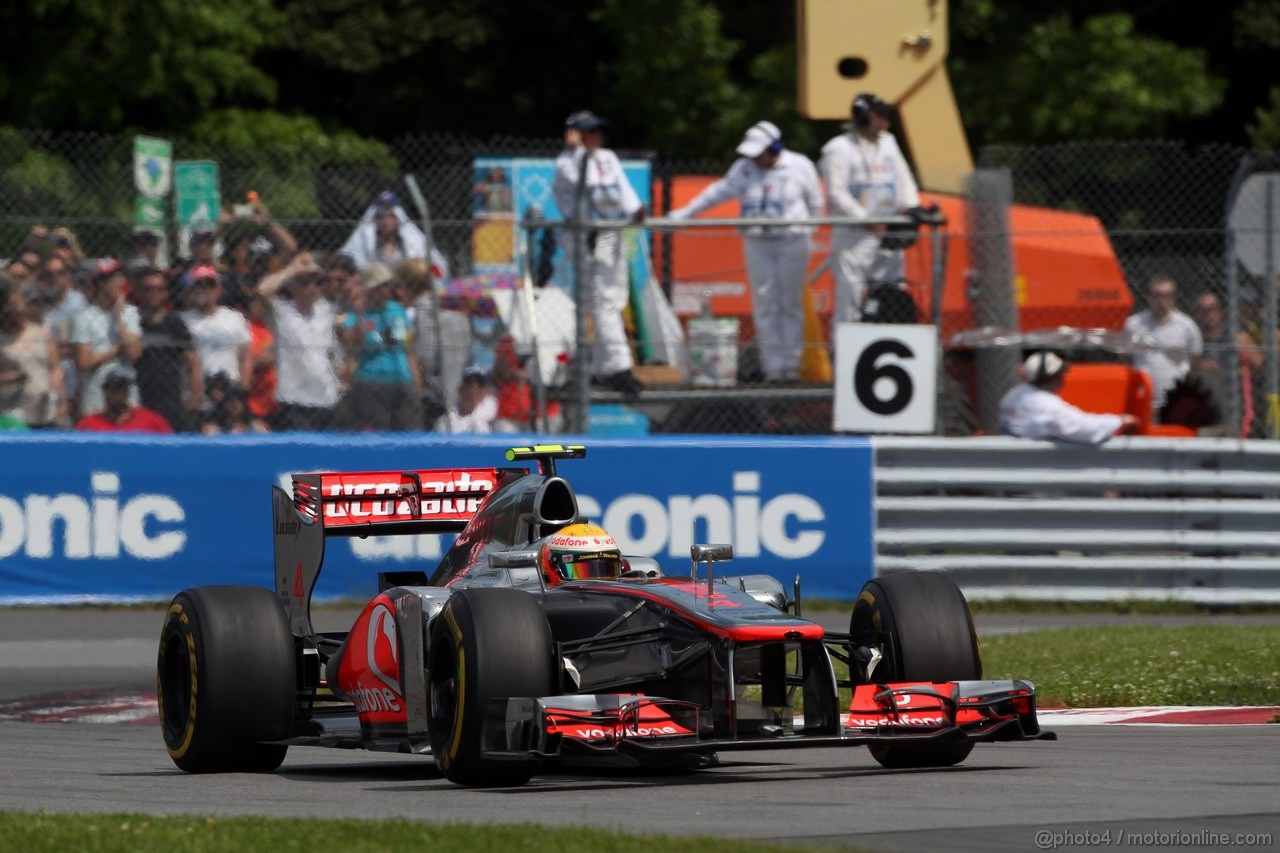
x=388 y=502
x=366 y=503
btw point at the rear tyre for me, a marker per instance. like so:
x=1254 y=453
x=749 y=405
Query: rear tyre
x=933 y=640
x=226 y=680
x=486 y=644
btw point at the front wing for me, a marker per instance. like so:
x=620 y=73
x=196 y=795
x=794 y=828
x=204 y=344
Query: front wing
x=642 y=727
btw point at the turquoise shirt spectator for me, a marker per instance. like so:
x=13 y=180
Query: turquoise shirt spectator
x=383 y=356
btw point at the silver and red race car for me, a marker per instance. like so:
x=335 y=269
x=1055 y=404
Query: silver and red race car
x=498 y=667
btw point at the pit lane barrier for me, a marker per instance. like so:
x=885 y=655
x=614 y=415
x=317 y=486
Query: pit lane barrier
x=1193 y=520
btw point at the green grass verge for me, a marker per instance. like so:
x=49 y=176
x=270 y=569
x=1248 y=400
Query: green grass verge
x=1158 y=607
x=1155 y=607
x=133 y=832
x=1142 y=665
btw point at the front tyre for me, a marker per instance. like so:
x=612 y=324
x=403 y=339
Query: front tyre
x=226 y=679
x=929 y=622
x=486 y=644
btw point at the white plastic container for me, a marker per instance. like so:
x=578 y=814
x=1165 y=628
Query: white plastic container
x=713 y=352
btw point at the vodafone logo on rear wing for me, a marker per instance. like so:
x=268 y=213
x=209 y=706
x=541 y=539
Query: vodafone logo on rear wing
x=370 y=497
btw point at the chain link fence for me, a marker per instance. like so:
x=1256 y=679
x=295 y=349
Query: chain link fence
x=1171 y=215
x=1090 y=226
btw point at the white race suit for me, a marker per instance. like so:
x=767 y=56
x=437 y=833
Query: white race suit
x=611 y=197
x=777 y=256
x=864 y=178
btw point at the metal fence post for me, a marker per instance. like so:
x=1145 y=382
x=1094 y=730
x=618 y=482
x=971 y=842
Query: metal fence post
x=938 y=246
x=666 y=171
x=1269 y=326
x=1234 y=404
x=991 y=290
x=581 y=292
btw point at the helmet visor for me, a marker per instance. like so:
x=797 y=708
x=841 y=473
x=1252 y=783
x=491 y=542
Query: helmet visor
x=596 y=564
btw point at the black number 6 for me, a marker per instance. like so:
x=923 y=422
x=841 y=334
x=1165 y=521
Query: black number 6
x=866 y=374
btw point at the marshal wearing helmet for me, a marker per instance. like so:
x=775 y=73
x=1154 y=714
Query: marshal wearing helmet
x=579 y=552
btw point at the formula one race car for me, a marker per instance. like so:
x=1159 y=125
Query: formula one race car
x=536 y=642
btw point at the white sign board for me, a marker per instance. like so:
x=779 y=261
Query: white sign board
x=195 y=186
x=886 y=378
x=1248 y=219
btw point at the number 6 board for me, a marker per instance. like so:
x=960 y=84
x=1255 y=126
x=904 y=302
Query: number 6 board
x=886 y=378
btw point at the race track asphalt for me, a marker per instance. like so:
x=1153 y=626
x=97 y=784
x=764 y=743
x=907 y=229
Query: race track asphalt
x=1095 y=779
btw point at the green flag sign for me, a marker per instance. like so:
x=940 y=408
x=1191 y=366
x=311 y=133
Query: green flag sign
x=149 y=213
x=152 y=166
x=195 y=185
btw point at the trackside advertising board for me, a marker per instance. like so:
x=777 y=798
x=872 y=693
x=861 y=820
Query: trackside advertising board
x=87 y=517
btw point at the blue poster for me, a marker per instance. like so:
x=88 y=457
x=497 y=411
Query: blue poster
x=90 y=517
x=506 y=189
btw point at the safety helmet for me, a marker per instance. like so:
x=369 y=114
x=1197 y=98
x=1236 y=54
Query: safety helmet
x=579 y=552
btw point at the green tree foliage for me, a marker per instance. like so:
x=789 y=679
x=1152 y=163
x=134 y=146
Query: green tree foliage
x=109 y=64
x=1257 y=24
x=683 y=92
x=249 y=134
x=1061 y=80
x=504 y=67
x=682 y=77
x=1264 y=132
x=287 y=160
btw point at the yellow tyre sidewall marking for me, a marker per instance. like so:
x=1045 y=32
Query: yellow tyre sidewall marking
x=176 y=610
x=870 y=599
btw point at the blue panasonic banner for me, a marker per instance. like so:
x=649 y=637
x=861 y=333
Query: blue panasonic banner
x=87 y=517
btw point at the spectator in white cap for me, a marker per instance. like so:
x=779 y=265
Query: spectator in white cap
x=771 y=182
x=1034 y=409
x=866 y=177
x=608 y=196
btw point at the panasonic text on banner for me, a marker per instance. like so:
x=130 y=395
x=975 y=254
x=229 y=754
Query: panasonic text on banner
x=176 y=512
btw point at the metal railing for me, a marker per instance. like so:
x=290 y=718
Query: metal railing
x=582 y=396
x=1138 y=518
x=1162 y=208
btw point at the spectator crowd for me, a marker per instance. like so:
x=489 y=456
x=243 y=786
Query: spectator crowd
x=248 y=333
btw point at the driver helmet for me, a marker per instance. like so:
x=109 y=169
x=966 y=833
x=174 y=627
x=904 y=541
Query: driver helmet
x=579 y=552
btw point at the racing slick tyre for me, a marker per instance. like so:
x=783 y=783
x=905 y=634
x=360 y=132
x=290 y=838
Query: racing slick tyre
x=226 y=680
x=928 y=620
x=486 y=644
